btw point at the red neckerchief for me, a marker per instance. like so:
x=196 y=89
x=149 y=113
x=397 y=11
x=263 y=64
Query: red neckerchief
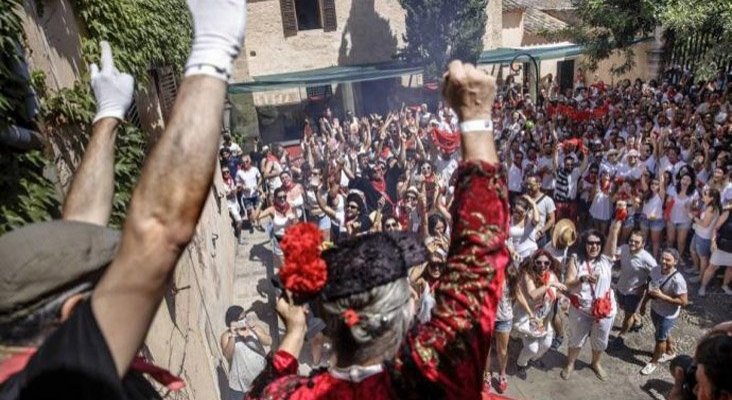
x=379 y=185
x=17 y=362
x=282 y=209
x=289 y=186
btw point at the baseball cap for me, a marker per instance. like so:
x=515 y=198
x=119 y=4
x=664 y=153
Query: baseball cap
x=43 y=260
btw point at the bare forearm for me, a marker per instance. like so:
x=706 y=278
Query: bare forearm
x=163 y=214
x=90 y=196
x=479 y=146
x=179 y=172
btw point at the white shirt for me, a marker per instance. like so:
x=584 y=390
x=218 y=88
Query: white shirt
x=515 y=178
x=631 y=172
x=248 y=180
x=547 y=181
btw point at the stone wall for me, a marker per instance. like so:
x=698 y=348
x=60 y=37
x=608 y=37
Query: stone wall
x=185 y=334
x=368 y=31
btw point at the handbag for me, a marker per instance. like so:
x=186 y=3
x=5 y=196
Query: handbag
x=601 y=307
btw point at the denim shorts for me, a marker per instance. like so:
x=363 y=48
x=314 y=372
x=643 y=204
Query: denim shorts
x=663 y=326
x=702 y=246
x=631 y=220
x=683 y=225
x=504 y=326
x=250 y=202
x=628 y=302
x=323 y=221
x=655 y=225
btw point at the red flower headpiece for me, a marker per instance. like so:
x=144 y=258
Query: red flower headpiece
x=304 y=272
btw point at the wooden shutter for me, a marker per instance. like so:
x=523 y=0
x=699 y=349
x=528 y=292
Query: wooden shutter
x=330 y=20
x=167 y=86
x=289 y=17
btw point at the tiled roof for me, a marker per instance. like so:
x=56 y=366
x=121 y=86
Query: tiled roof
x=546 y=4
x=536 y=21
x=512 y=5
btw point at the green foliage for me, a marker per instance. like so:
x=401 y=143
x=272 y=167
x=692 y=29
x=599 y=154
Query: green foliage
x=12 y=95
x=142 y=33
x=25 y=194
x=608 y=26
x=439 y=31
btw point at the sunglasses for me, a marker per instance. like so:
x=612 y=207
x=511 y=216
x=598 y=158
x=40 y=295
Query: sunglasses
x=392 y=226
x=593 y=243
x=542 y=263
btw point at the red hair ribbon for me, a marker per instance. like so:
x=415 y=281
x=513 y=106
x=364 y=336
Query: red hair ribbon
x=350 y=317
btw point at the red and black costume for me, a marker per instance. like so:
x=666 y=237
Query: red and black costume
x=446 y=357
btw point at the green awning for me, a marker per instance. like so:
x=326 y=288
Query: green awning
x=391 y=69
x=326 y=76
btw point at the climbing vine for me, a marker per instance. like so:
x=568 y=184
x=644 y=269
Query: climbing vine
x=26 y=195
x=143 y=35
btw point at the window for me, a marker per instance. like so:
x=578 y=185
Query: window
x=301 y=15
x=308 y=14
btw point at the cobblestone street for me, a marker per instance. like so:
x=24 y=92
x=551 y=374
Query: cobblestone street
x=254 y=292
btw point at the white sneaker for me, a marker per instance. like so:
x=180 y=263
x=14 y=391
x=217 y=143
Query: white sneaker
x=727 y=290
x=665 y=357
x=649 y=369
x=702 y=292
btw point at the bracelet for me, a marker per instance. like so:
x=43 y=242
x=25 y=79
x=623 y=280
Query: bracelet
x=478 y=125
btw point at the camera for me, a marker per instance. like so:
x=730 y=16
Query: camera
x=687 y=364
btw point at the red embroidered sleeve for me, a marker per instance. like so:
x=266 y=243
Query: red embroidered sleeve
x=450 y=351
x=284 y=363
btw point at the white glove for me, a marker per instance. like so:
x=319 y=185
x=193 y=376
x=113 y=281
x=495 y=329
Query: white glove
x=112 y=89
x=218 y=27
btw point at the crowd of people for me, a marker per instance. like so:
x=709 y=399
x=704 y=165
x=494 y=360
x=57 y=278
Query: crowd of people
x=426 y=263
x=634 y=176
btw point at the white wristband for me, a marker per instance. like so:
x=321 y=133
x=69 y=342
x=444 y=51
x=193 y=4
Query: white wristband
x=478 y=125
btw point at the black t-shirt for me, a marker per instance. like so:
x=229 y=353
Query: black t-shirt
x=75 y=363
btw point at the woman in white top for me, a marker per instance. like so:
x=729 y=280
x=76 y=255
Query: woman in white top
x=601 y=207
x=701 y=245
x=678 y=224
x=589 y=280
x=283 y=216
x=537 y=293
x=652 y=212
x=523 y=228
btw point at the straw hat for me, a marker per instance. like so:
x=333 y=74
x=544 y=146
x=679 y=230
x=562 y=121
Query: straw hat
x=565 y=233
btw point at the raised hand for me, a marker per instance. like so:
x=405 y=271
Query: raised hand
x=469 y=91
x=112 y=89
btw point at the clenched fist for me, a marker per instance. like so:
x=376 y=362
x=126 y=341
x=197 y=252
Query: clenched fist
x=469 y=91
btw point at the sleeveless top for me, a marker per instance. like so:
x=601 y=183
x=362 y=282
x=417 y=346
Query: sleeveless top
x=248 y=361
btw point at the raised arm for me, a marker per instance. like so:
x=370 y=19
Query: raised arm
x=468 y=292
x=172 y=190
x=611 y=243
x=92 y=190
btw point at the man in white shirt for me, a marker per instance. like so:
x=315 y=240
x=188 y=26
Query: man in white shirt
x=631 y=169
x=635 y=266
x=545 y=206
x=249 y=180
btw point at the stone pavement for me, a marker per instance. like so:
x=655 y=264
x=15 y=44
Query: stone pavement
x=254 y=292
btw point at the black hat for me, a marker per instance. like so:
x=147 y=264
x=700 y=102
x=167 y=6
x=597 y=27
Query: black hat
x=367 y=261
